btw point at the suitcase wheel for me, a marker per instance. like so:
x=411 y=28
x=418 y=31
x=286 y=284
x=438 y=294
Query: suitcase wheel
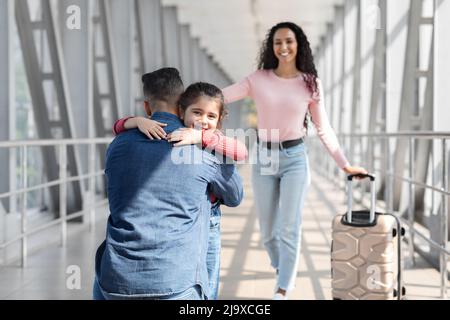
x=402 y=232
x=395 y=293
x=394 y=233
x=403 y=291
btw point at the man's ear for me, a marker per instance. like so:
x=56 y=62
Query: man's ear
x=147 y=108
x=181 y=113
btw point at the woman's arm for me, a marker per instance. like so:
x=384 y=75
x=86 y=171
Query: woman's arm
x=327 y=134
x=210 y=139
x=151 y=128
x=237 y=91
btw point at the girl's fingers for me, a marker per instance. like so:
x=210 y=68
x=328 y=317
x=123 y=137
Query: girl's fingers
x=147 y=134
x=161 y=124
x=155 y=135
x=180 y=143
x=172 y=138
x=162 y=132
x=159 y=133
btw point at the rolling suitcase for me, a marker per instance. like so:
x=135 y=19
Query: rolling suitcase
x=366 y=254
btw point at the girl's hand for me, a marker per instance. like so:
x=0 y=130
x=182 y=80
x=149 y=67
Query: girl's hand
x=151 y=128
x=355 y=170
x=185 y=136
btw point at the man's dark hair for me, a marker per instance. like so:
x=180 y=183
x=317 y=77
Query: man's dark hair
x=164 y=84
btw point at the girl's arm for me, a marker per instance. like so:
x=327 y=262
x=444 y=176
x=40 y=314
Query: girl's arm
x=210 y=139
x=151 y=128
x=229 y=147
x=119 y=125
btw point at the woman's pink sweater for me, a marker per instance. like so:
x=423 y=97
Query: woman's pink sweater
x=281 y=109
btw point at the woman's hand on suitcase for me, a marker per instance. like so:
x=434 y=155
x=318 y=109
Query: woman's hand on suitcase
x=355 y=170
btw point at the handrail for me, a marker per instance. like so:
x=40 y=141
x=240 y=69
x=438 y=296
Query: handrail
x=53 y=142
x=50 y=184
x=406 y=134
x=48 y=225
x=390 y=175
x=90 y=206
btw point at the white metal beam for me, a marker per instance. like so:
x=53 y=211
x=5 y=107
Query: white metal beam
x=122 y=27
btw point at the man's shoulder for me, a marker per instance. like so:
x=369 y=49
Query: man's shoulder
x=123 y=136
x=193 y=154
x=124 y=141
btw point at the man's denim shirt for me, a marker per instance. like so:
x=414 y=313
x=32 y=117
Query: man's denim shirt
x=156 y=237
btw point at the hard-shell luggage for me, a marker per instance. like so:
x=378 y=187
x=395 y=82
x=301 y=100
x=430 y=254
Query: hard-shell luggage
x=366 y=261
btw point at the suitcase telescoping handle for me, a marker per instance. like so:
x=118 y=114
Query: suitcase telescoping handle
x=350 y=195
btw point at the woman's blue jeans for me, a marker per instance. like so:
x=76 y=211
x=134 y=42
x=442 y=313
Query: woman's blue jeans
x=280 y=181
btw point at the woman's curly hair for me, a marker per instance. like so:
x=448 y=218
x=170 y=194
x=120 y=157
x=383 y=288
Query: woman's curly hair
x=304 y=59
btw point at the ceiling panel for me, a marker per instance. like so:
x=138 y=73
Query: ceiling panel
x=232 y=30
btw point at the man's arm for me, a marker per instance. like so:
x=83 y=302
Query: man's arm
x=227 y=185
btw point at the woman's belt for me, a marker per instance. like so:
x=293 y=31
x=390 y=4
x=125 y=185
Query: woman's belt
x=280 y=145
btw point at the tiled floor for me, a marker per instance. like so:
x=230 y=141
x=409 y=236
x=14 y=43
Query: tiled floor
x=245 y=273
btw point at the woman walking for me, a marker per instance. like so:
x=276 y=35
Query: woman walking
x=285 y=89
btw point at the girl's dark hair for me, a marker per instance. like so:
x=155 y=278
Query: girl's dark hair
x=199 y=89
x=304 y=59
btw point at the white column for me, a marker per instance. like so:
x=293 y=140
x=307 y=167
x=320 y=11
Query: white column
x=77 y=49
x=122 y=26
x=397 y=22
x=185 y=54
x=369 y=10
x=171 y=37
x=350 y=42
x=7 y=102
x=441 y=67
x=337 y=57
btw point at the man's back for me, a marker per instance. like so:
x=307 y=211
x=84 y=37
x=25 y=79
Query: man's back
x=157 y=230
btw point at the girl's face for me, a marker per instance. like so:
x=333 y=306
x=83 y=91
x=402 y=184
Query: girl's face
x=203 y=114
x=285 y=45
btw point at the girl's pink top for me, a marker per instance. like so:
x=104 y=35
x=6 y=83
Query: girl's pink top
x=119 y=125
x=281 y=109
